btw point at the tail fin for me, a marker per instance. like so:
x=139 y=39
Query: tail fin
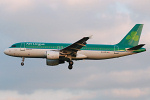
x=132 y=38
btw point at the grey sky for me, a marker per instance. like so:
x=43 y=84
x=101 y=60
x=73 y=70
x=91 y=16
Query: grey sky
x=126 y=78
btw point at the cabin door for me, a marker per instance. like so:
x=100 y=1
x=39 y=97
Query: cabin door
x=116 y=49
x=22 y=47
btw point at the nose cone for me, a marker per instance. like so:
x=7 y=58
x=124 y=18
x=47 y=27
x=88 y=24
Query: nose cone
x=6 y=51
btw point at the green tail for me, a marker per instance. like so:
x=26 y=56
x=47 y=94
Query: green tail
x=132 y=38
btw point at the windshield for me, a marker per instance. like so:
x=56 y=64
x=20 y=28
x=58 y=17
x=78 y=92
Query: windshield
x=13 y=46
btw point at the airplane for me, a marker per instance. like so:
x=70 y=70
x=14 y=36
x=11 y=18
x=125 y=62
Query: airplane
x=59 y=53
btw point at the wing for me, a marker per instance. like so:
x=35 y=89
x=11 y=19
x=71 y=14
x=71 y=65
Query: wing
x=72 y=49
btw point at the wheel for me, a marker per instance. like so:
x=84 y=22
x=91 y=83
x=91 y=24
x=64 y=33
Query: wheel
x=22 y=64
x=70 y=67
x=71 y=63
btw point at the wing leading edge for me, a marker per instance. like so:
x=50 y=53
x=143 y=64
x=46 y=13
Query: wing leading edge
x=71 y=50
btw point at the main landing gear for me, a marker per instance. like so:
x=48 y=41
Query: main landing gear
x=70 y=65
x=22 y=63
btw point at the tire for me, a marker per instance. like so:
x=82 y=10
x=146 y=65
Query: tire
x=22 y=64
x=70 y=67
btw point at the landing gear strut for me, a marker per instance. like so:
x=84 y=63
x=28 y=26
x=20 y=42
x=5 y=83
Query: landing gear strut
x=70 y=65
x=22 y=63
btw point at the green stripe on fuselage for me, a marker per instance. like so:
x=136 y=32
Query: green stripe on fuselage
x=40 y=45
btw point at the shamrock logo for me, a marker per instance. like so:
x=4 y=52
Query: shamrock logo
x=133 y=36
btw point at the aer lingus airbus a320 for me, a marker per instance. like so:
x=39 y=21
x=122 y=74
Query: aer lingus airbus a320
x=59 y=53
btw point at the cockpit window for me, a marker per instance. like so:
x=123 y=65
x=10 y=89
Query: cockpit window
x=13 y=46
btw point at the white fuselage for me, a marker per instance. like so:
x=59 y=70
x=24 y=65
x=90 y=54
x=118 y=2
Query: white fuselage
x=88 y=54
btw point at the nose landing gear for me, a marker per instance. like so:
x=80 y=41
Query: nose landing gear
x=22 y=63
x=70 y=65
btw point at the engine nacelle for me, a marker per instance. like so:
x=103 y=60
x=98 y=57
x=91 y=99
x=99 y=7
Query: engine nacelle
x=54 y=62
x=52 y=55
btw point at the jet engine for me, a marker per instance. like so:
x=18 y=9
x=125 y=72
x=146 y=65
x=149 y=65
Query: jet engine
x=54 y=62
x=52 y=55
x=53 y=58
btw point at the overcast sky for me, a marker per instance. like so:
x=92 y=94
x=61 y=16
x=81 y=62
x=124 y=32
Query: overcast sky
x=125 y=78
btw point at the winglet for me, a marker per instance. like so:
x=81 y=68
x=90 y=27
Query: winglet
x=90 y=36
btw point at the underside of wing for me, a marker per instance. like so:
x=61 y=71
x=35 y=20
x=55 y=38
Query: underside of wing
x=71 y=50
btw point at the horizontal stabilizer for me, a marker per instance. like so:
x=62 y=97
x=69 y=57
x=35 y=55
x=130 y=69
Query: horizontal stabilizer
x=137 y=47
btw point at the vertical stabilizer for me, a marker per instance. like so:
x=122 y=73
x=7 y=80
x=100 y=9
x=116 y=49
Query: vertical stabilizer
x=132 y=38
